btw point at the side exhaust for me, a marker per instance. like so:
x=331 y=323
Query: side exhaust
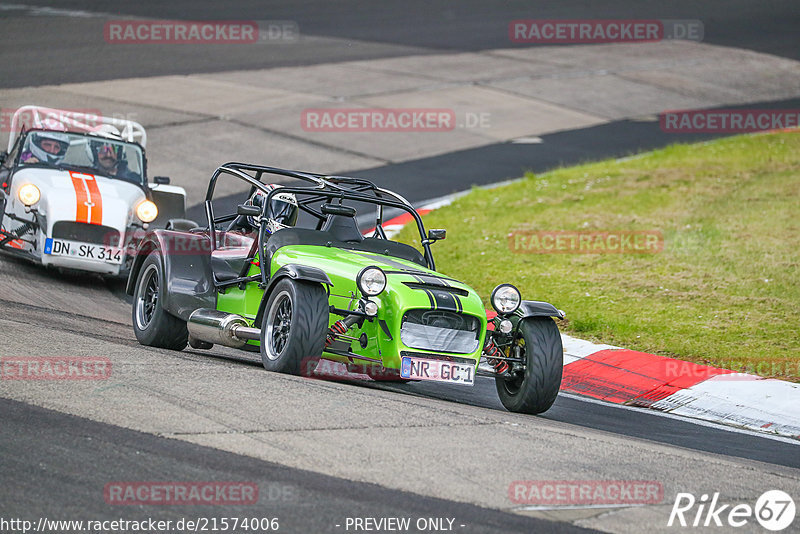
x=220 y=328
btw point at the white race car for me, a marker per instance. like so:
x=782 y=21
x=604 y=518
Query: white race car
x=75 y=193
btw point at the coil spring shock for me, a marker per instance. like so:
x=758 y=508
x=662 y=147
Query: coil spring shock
x=500 y=366
x=336 y=328
x=17 y=233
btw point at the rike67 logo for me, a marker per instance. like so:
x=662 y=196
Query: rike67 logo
x=774 y=510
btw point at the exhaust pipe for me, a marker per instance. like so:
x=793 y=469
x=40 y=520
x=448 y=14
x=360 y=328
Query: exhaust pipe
x=221 y=328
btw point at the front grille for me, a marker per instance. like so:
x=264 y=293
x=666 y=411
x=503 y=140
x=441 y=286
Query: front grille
x=440 y=330
x=443 y=319
x=95 y=234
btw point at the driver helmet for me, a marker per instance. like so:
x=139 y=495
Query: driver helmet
x=281 y=212
x=43 y=143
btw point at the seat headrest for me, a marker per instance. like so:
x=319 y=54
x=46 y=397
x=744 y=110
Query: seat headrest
x=342 y=228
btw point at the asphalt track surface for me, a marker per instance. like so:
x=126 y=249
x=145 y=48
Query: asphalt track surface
x=56 y=464
x=73 y=458
x=361 y=30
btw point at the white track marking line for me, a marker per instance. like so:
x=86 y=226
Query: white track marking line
x=686 y=419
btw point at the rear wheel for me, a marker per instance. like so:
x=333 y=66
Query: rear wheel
x=534 y=390
x=294 y=326
x=152 y=324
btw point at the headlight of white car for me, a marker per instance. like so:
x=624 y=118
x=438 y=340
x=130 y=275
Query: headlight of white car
x=147 y=211
x=29 y=194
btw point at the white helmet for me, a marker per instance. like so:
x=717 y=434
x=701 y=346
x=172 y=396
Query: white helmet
x=39 y=138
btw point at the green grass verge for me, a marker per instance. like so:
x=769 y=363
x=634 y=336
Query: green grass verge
x=725 y=290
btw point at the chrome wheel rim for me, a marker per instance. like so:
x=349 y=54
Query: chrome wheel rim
x=279 y=324
x=147 y=297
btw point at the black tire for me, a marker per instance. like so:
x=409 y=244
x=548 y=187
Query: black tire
x=152 y=324
x=294 y=326
x=535 y=391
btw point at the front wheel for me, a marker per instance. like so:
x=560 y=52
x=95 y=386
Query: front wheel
x=152 y=324
x=534 y=390
x=294 y=326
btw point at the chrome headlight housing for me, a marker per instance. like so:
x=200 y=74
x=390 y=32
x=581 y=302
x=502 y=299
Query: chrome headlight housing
x=371 y=281
x=29 y=194
x=506 y=299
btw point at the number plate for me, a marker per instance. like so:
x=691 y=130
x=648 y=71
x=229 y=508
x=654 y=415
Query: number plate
x=74 y=249
x=437 y=370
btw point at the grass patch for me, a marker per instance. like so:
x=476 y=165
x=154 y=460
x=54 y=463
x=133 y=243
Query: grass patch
x=725 y=290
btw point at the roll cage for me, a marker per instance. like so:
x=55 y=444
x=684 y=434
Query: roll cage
x=321 y=188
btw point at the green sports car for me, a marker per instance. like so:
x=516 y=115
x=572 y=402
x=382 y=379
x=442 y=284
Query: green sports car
x=285 y=270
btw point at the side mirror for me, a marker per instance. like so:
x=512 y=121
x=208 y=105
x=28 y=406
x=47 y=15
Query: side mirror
x=437 y=234
x=161 y=180
x=247 y=210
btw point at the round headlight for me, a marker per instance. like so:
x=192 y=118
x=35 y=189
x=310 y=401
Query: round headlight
x=506 y=298
x=371 y=308
x=147 y=211
x=371 y=281
x=29 y=194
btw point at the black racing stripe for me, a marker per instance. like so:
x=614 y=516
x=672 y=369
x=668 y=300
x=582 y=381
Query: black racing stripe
x=418 y=273
x=444 y=300
x=434 y=280
x=458 y=303
x=431 y=298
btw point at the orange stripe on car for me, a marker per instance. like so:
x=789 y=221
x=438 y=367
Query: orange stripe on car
x=88 y=200
x=96 y=210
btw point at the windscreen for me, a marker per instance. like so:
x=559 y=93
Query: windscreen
x=106 y=157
